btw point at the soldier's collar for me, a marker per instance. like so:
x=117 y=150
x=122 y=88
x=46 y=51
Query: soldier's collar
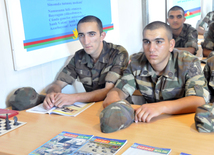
x=86 y=59
x=184 y=30
x=169 y=71
x=104 y=56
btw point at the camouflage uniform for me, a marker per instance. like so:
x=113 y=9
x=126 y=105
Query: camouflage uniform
x=209 y=75
x=182 y=77
x=187 y=38
x=108 y=68
x=209 y=40
x=207 y=20
x=204 y=118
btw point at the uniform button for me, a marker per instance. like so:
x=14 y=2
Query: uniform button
x=196 y=87
x=193 y=70
x=170 y=74
x=145 y=72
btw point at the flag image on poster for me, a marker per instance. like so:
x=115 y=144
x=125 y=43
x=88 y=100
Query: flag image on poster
x=50 y=22
x=42 y=31
x=192 y=8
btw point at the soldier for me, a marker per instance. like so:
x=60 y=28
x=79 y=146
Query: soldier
x=171 y=81
x=204 y=115
x=204 y=25
x=208 y=73
x=98 y=66
x=208 y=44
x=185 y=36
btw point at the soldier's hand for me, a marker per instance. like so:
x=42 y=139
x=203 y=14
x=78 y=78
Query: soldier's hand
x=147 y=111
x=49 y=100
x=64 y=99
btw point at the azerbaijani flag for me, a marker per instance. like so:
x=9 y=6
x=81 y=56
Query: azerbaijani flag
x=56 y=39
x=192 y=12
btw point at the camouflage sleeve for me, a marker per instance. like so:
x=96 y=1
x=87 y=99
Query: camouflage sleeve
x=209 y=74
x=119 y=63
x=205 y=22
x=127 y=82
x=204 y=118
x=192 y=40
x=68 y=74
x=209 y=40
x=196 y=84
x=206 y=72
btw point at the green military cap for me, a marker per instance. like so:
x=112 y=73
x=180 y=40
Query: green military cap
x=24 y=98
x=204 y=118
x=116 y=116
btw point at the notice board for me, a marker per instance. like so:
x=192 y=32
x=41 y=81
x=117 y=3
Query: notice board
x=45 y=30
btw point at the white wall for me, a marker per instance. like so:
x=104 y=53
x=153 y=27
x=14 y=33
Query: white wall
x=127 y=19
x=156 y=10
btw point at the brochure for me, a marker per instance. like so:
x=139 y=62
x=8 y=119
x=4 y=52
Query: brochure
x=63 y=143
x=146 y=150
x=79 y=144
x=100 y=145
x=70 y=110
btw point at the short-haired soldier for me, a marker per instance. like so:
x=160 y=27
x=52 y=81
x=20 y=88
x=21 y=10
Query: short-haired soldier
x=98 y=66
x=172 y=82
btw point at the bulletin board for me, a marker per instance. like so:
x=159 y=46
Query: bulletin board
x=192 y=9
x=45 y=30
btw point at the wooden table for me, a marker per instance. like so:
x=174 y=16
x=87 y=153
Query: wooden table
x=177 y=132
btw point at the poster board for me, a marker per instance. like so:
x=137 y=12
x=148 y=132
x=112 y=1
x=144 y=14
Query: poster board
x=192 y=9
x=45 y=30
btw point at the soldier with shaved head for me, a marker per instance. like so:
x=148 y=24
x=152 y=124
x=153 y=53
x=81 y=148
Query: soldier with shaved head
x=97 y=66
x=171 y=82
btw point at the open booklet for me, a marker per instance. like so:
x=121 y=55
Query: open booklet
x=145 y=149
x=70 y=110
x=76 y=144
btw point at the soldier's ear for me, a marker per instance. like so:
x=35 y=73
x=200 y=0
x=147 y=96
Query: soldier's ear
x=103 y=35
x=171 y=45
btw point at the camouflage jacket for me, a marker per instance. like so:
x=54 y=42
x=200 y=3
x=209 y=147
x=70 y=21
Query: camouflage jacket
x=204 y=118
x=207 y=20
x=108 y=68
x=209 y=75
x=187 y=38
x=209 y=40
x=182 y=77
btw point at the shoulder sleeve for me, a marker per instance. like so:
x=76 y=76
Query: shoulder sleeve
x=209 y=40
x=205 y=22
x=127 y=83
x=119 y=63
x=196 y=84
x=192 y=38
x=204 y=117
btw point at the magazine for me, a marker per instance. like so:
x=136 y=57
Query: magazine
x=70 y=110
x=100 y=145
x=63 y=143
x=145 y=149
